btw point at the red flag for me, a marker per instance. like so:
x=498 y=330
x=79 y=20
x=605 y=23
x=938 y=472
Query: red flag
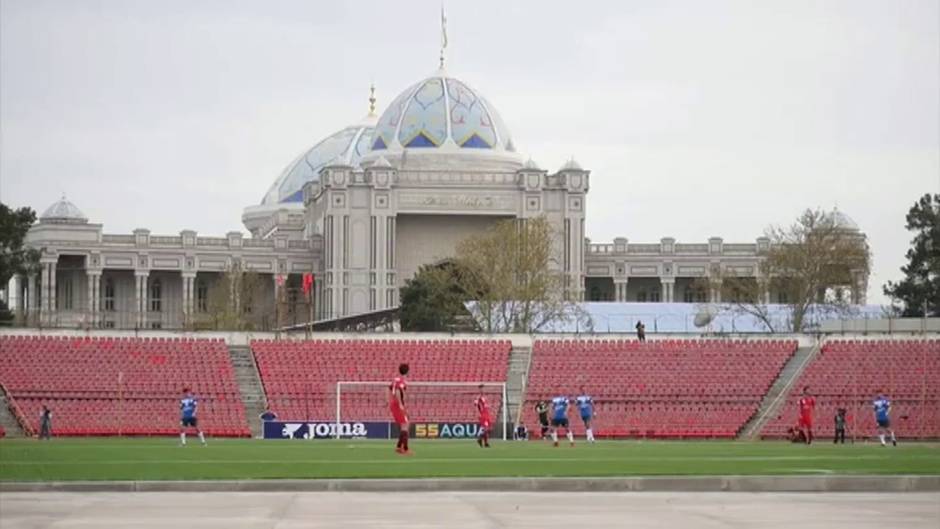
x=308 y=283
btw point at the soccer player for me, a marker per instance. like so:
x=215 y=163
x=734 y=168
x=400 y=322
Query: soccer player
x=882 y=408
x=188 y=417
x=483 y=438
x=560 y=419
x=807 y=406
x=396 y=404
x=839 y=426
x=586 y=407
x=541 y=408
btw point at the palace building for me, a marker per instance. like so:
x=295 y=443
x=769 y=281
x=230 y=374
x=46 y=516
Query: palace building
x=362 y=210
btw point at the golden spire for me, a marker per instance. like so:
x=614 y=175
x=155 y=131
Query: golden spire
x=372 y=99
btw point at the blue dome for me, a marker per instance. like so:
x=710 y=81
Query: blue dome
x=346 y=146
x=441 y=111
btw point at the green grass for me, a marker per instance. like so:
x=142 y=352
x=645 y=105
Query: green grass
x=162 y=459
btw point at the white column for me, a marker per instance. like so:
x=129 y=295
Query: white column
x=31 y=295
x=97 y=298
x=53 y=293
x=16 y=295
x=144 y=296
x=44 y=293
x=137 y=300
x=89 y=298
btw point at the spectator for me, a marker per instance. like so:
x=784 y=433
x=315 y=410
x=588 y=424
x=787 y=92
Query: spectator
x=640 y=331
x=840 y=426
x=521 y=433
x=45 y=423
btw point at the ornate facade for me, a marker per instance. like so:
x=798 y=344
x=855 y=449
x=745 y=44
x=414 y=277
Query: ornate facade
x=362 y=210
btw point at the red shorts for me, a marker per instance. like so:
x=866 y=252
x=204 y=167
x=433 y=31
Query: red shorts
x=398 y=414
x=806 y=422
x=485 y=423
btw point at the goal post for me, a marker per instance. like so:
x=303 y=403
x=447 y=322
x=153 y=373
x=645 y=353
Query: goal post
x=426 y=402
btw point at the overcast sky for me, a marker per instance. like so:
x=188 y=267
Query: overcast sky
x=695 y=118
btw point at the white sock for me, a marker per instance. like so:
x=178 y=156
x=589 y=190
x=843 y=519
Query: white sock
x=570 y=437
x=893 y=438
x=590 y=435
x=202 y=438
x=182 y=438
x=882 y=437
x=555 y=436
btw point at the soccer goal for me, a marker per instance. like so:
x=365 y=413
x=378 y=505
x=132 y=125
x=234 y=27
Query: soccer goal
x=448 y=406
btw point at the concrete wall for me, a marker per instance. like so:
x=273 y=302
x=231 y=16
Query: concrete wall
x=423 y=239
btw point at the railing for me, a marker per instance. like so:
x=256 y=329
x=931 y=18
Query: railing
x=749 y=249
x=117 y=239
x=600 y=248
x=211 y=241
x=258 y=243
x=643 y=248
x=472 y=178
x=691 y=248
x=16 y=411
x=166 y=241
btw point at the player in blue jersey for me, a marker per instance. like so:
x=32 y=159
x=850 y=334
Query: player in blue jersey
x=188 y=417
x=586 y=408
x=560 y=419
x=882 y=408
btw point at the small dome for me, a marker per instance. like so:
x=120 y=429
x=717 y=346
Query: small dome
x=571 y=165
x=530 y=164
x=63 y=211
x=843 y=221
x=441 y=111
x=345 y=147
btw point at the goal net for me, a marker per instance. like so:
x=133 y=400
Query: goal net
x=438 y=410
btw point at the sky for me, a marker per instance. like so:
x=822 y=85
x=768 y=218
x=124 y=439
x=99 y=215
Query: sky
x=696 y=119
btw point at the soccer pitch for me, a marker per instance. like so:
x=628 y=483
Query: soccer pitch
x=149 y=459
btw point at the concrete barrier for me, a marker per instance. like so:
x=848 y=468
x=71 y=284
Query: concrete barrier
x=629 y=484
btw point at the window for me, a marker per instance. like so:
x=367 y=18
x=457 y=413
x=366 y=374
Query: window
x=109 y=324
x=109 y=295
x=67 y=295
x=156 y=296
x=202 y=296
x=654 y=297
x=694 y=295
x=156 y=325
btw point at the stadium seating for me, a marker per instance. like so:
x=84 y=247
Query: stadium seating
x=300 y=377
x=850 y=373
x=129 y=386
x=658 y=389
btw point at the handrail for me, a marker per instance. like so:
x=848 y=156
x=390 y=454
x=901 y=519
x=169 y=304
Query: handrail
x=17 y=412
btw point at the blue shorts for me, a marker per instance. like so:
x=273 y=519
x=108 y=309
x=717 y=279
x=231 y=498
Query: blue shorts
x=585 y=418
x=883 y=423
x=560 y=422
x=188 y=421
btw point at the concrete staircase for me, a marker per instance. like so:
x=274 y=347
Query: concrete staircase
x=10 y=425
x=776 y=397
x=249 y=385
x=520 y=358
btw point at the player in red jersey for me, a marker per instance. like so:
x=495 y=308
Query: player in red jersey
x=807 y=407
x=483 y=408
x=396 y=404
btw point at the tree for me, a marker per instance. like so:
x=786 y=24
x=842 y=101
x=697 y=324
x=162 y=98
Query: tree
x=920 y=287
x=234 y=298
x=513 y=271
x=433 y=300
x=14 y=257
x=813 y=265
